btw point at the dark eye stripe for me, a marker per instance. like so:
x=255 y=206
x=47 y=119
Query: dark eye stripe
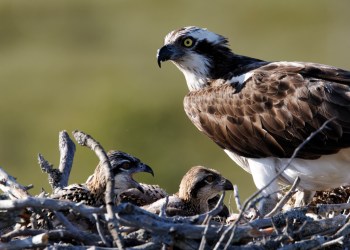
x=199 y=185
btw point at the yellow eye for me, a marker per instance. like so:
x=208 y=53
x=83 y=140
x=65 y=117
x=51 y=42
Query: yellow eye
x=187 y=42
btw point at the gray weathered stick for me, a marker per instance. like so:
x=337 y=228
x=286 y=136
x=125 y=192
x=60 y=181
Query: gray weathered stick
x=55 y=234
x=237 y=199
x=99 y=229
x=52 y=204
x=58 y=178
x=54 y=175
x=67 y=150
x=86 y=140
x=39 y=240
x=9 y=185
x=285 y=198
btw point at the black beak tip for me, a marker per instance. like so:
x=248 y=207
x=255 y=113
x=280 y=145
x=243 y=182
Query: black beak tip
x=228 y=185
x=165 y=53
x=159 y=58
x=148 y=169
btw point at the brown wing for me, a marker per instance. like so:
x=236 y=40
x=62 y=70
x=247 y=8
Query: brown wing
x=151 y=194
x=276 y=110
x=78 y=193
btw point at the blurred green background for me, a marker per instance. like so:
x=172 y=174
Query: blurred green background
x=91 y=65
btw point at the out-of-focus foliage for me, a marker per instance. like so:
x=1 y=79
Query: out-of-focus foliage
x=91 y=65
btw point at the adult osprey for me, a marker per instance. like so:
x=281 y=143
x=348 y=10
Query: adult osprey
x=259 y=111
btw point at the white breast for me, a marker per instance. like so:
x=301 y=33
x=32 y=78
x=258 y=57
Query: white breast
x=329 y=171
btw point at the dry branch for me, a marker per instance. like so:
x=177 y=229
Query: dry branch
x=58 y=205
x=54 y=175
x=58 y=178
x=67 y=150
x=39 y=240
x=285 y=198
x=10 y=187
x=86 y=140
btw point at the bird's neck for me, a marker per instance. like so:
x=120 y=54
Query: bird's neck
x=200 y=205
x=218 y=71
x=97 y=185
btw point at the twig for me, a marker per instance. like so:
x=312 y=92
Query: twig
x=67 y=150
x=58 y=178
x=54 y=175
x=204 y=240
x=348 y=201
x=305 y=244
x=66 y=223
x=344 y=230
x=86 y=140
x=99 y=230
x=162 y=212
x=56 y=234
x=9 y=185
x=326 y=208
x=79 y=235
x=51 y=204
x=237 y=199
x=285 y=198
x=30 y=242
x=21 y=232
x=329 y=243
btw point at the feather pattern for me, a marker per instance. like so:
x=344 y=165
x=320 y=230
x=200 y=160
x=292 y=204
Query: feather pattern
x=278 y=107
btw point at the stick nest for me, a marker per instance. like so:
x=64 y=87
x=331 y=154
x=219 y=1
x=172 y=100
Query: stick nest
x=40 y=222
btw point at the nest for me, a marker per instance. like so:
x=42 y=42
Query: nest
x=43 y=223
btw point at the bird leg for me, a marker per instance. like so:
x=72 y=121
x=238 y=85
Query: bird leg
x=303 y=197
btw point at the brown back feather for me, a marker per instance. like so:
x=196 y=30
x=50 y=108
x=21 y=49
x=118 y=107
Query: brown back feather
x=276 y=110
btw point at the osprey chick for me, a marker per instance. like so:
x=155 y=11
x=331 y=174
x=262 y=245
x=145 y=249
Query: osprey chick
x=92 y=193
x=197 y=188
x=259 y=112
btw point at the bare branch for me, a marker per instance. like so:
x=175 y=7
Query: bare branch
x=237 y=199
x=326 y=208
x=67 y=150
x=86 y=140
x=9 y=186
x=162 y=212
x=329 y=243
x=54 y=175
x=285 y=198
x=39 y=240
x=54 y=235
x=99 y=230
x=52 y=204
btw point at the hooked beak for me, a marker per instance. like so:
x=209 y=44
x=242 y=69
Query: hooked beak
x=147 y=169
x=228 y=185
x=141 y=167
x=164 y=54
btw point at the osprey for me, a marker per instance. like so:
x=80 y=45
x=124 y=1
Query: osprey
x=92 y=193
x=198 y=193
x=259 y=112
